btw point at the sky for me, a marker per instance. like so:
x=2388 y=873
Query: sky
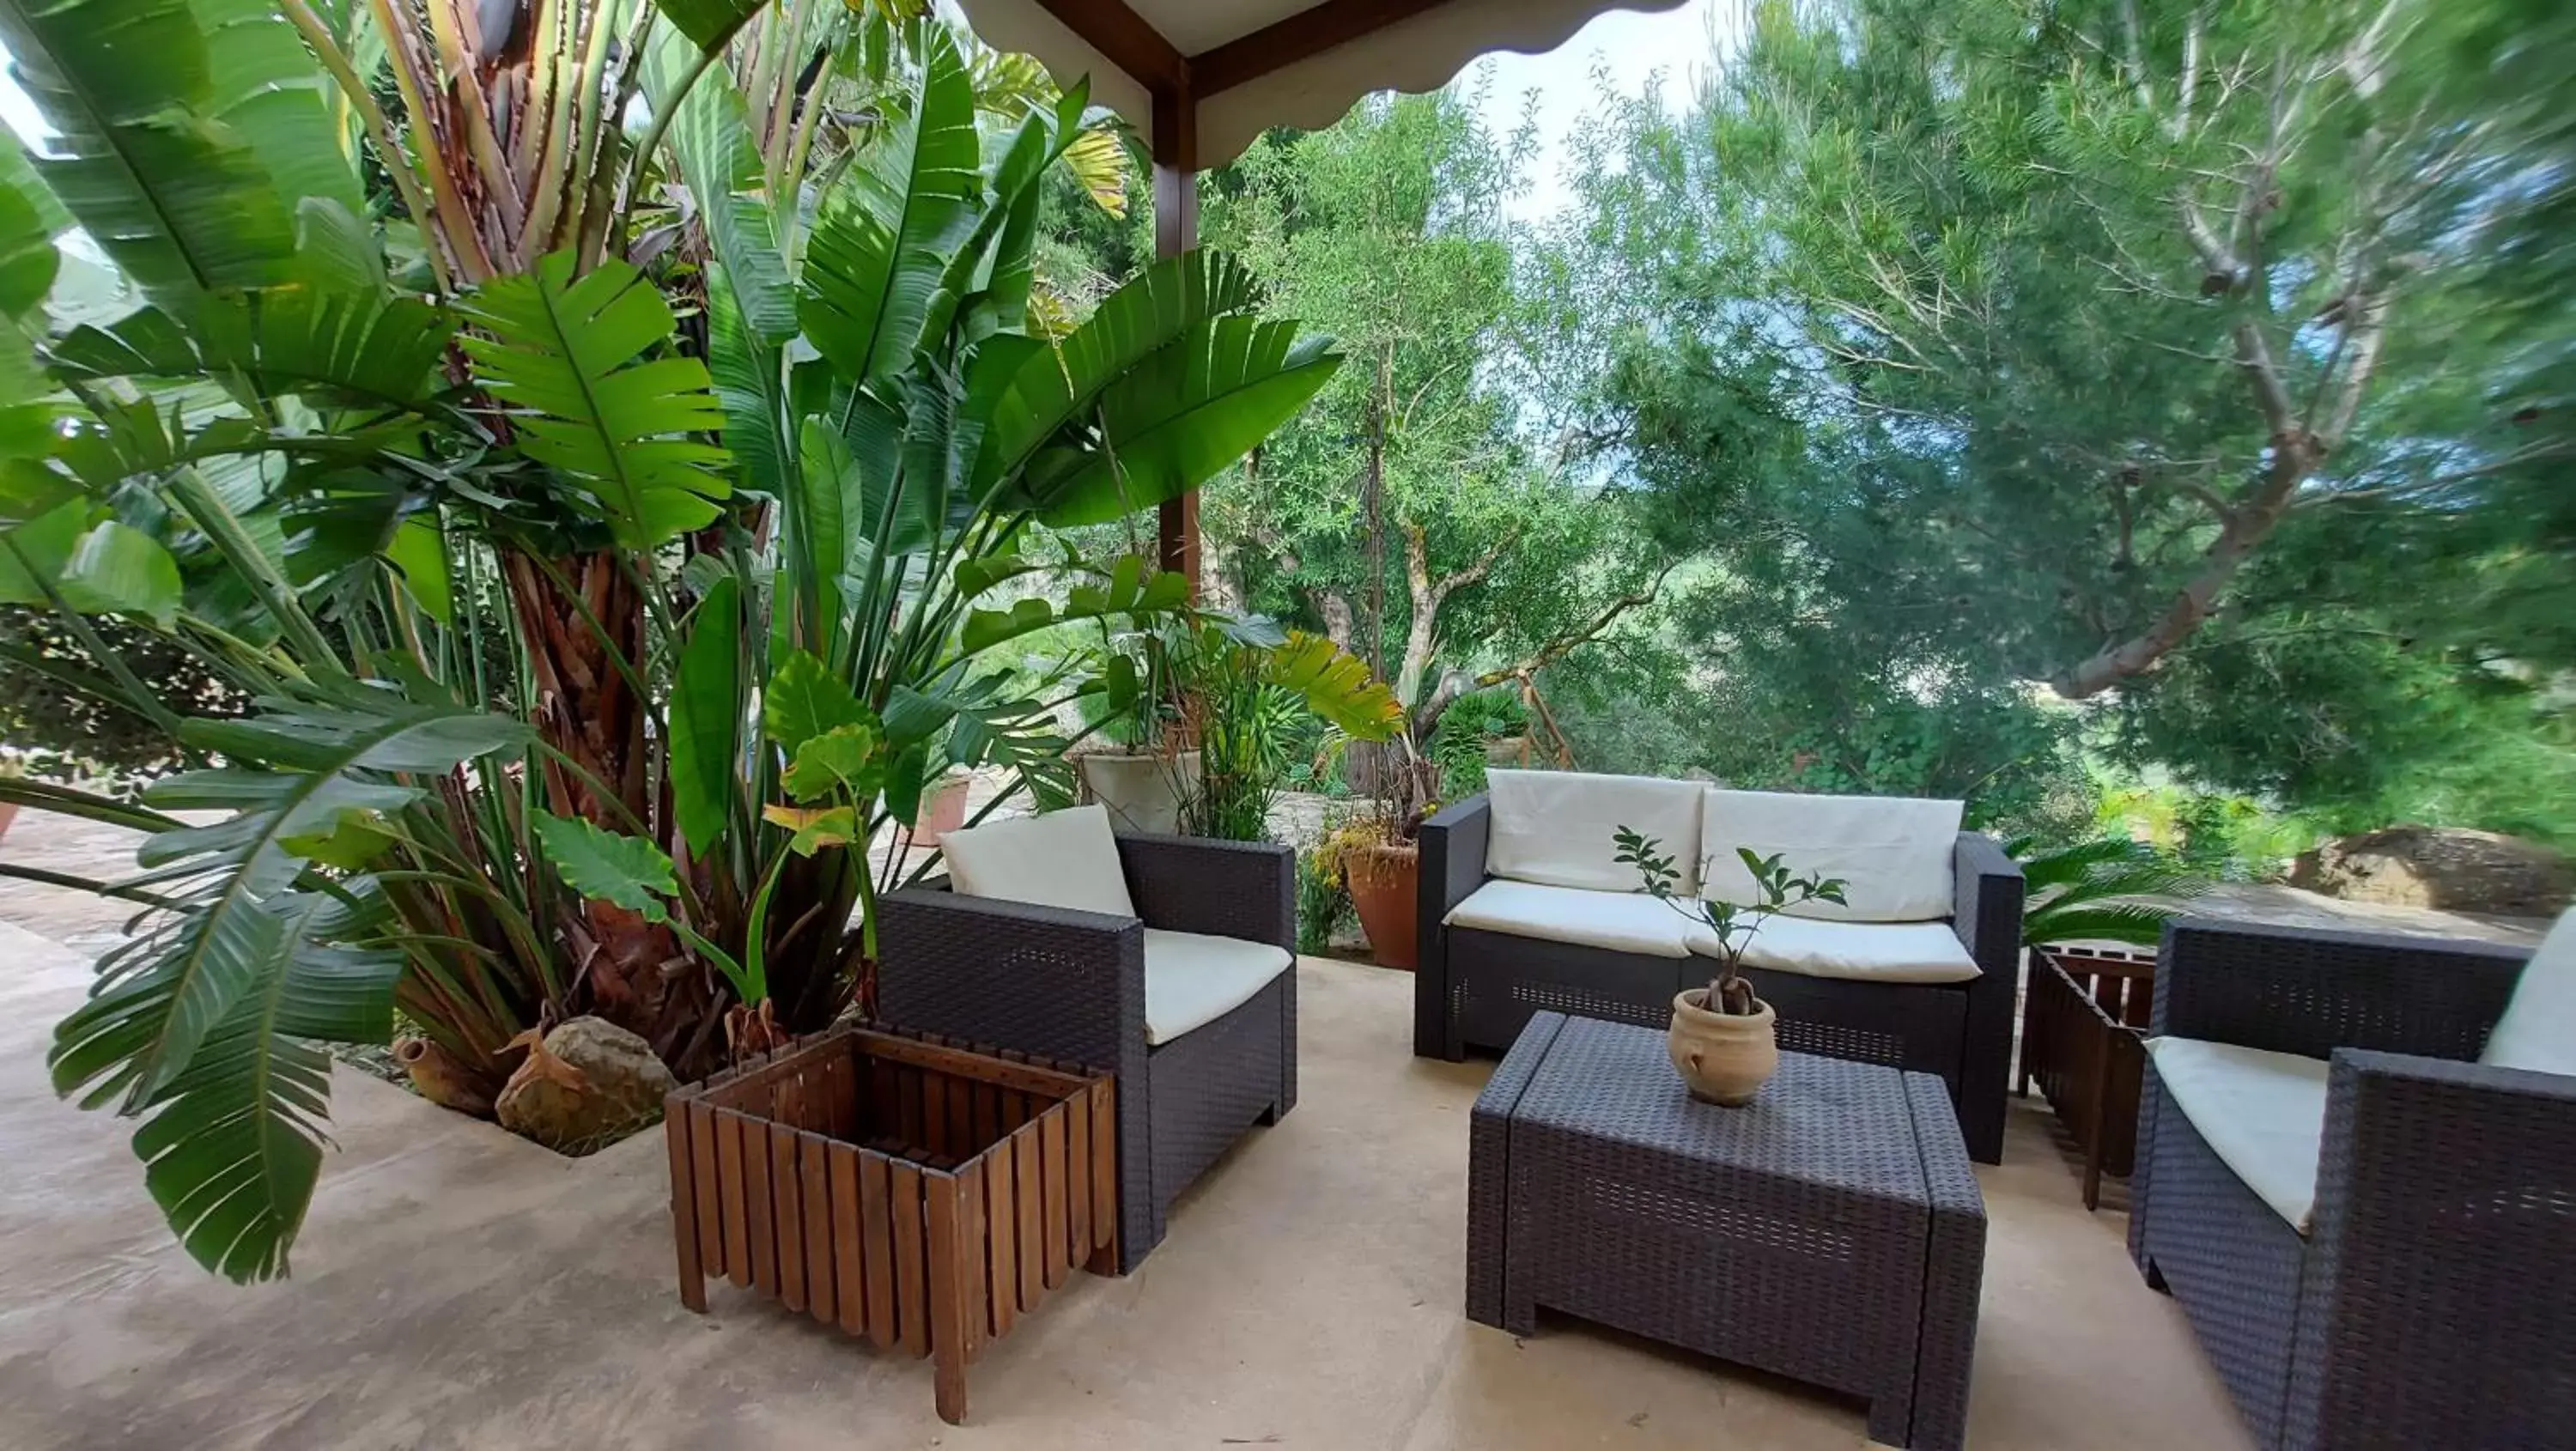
x=1630 y=47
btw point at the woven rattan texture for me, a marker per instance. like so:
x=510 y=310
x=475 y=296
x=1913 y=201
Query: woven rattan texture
x=2432 y=1302
x=1832 y=1231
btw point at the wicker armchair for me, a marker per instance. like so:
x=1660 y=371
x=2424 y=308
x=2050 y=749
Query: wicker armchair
x=2432 y=1301
x=1477 y=989
x=1071 y=985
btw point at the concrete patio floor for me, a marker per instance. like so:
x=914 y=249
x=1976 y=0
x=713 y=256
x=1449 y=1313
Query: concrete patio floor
x=457 y=1287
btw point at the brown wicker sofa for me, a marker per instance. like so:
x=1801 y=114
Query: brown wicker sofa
x=1072 y=984
x=2431 y=1299
x=1476 y=988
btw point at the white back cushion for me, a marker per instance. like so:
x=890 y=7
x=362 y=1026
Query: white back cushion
x=2538 y=1029
x=1892 y=852
x=1554 y=827
x=1061 y=859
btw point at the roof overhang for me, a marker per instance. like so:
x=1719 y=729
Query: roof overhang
x=1239 y=67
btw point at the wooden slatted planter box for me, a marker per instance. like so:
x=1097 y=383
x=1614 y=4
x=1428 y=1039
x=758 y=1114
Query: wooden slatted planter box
x=919 y=1192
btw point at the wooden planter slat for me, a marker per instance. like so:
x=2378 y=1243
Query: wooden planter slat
x=911 y=1190
x=1001 y=1204
x=737 y=1220
x=701 y=1119
x=847 y=1261
x=1031 y=1233
x=1059 y=1222
x=1077 y=1189
x=877 y=1236
x=822 y=1289
x=762 y=1211
x=787 y=1212
x=684 y=1214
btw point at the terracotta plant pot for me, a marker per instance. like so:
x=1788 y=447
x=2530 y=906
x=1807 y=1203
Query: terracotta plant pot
x=1383 y=881
x=943 y=809
x=1143 y=792
x=1725 y=1058
x=443 y=1080
x=8 y=814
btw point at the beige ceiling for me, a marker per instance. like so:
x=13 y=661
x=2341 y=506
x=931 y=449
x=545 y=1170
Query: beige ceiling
x=1419 y=53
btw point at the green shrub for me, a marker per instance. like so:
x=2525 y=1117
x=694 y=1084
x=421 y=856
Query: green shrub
x=1322 y=904
x=1470 y=723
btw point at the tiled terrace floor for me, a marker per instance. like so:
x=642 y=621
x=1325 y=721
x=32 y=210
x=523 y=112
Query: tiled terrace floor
x=456 y=1287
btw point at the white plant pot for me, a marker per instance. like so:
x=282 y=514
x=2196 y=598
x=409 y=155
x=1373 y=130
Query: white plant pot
x=1142 y=792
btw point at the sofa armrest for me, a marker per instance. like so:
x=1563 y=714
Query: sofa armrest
x=1986 y=903
x=2297 y=990
x=1452 y=867
x=1245 y=889
x=2440 y=1266
x=1042 y=980
x=1985 y=912
x=1453 y=855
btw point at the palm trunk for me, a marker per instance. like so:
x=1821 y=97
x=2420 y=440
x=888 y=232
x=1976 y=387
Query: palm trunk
x=580 y=647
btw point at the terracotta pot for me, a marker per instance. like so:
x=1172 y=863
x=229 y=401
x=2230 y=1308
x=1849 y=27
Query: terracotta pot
x=8 y=814
x=1725 y=1058
x=1384 y=883
x=1143 y=792
x=443 y=1080
x=943 y=809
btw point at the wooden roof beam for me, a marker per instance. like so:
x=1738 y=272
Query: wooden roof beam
x=1284 y=42
x=1126 y=40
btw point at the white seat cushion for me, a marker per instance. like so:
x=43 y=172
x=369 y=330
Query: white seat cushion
x=1555 y=827
x=2262 y=1113
x=1867 y=951
x=2538 y=1029
x=1063 y=859
x=1191 y=980
x=1618 y=921
x=1893 y=853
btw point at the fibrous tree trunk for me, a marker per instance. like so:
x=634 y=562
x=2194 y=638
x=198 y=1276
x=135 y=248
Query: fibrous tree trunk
x=581 y=622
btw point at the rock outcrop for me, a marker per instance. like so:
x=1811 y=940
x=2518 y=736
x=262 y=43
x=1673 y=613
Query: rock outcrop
x=2448 y=869
x=584 y=1086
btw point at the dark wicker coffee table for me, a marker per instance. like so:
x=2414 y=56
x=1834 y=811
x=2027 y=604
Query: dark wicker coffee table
x=1830 y=1231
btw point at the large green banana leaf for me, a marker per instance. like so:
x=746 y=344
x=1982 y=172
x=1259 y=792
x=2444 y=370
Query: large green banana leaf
x=874 y=267
x=186 y=1023
x=366 y=348
x=1050 y=390
x=712 y=138
x=585 y=362
x=1178 y=418
x=707 y=718
x=272 y=93
x=180 y=201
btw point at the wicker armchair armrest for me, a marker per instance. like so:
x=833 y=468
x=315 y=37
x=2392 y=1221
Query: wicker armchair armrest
x=2440 y=1268
x=1046 y=980
x=1244 y=889
x=2296 y=990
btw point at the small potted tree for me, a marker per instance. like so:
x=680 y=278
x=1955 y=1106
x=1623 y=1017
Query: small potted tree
x=1723 y=1039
